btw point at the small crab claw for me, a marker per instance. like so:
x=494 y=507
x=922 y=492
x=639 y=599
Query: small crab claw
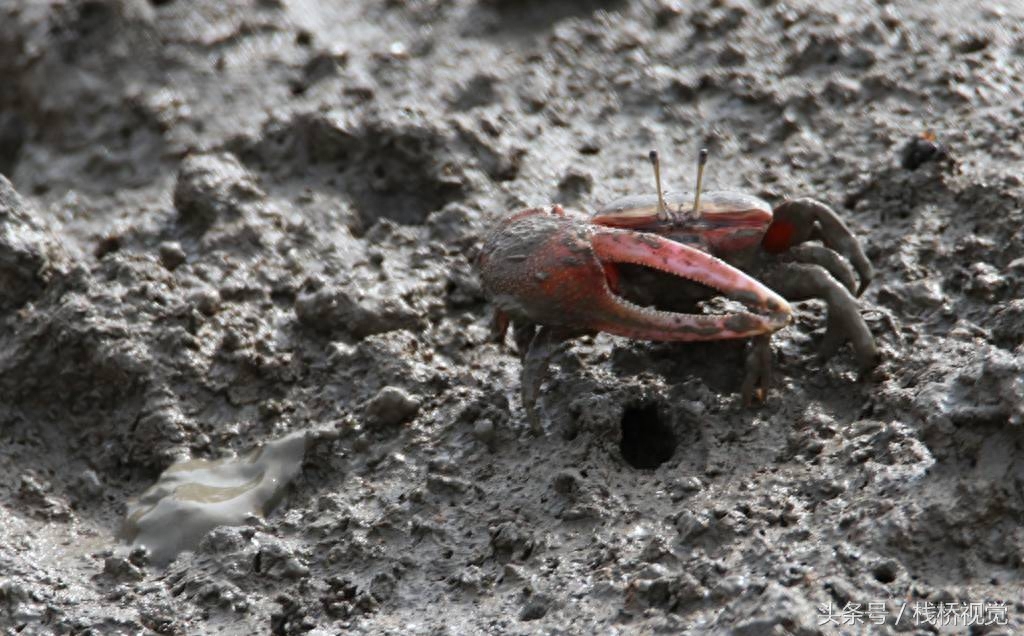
x=805 y=219
x=558 y=270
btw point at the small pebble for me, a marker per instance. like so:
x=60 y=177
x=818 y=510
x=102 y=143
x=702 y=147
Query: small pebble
x=920 y=150
x=171 y=254
x=392 y=406
x=483 y=430
x=206 y=301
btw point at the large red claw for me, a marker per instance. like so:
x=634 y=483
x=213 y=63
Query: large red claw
x=651 y=250
x=551 y=269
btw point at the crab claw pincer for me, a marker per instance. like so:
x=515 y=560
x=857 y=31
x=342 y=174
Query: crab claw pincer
x=555 y=268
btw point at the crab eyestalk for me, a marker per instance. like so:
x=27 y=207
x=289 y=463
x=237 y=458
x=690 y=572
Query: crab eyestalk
x=702 y=160
x=656 y=164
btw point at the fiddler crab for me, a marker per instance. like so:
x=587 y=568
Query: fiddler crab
x=639 y=266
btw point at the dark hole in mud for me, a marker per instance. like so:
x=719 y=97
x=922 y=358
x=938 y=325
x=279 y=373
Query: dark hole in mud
x=107 y=245
x=884 y=573
x=529 y=15
x=401 y=180
x=388 y=168
x=392 y=171
x=647 y=440
x=93 y=11
x=12 y=138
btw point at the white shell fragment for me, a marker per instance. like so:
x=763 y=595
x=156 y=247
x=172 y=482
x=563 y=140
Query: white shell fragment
x=195 y=496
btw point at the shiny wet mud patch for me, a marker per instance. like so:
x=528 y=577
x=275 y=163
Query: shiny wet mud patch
x=195 y=496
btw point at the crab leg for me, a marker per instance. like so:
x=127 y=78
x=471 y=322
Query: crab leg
x=620 y=317
x=535 y=370
x=805 y=219
x=803 y=281
x=836 y=265
x=758 y=375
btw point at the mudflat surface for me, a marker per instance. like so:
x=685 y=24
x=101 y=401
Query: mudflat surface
x=224 y=222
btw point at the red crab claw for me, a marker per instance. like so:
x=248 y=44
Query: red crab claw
x=554 y=269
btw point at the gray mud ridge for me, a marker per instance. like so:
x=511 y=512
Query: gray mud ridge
x=225 y=223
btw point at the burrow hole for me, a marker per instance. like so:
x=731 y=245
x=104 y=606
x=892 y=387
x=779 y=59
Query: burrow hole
x=648 y=441
x=885 y=572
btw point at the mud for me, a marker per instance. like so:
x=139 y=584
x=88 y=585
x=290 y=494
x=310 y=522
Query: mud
x=222 y=223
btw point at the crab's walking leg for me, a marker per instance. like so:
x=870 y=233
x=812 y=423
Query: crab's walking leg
x=805 y=219
x=522 y=335
x=758 y=375
x=799 y=281
x=827 y=258
x=499 y=326
x=536 y=364
x=535 y=347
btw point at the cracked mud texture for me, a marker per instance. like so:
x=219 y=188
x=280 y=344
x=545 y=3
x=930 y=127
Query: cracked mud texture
x=224 y=222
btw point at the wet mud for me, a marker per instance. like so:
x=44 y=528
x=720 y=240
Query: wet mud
x=227 y=224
